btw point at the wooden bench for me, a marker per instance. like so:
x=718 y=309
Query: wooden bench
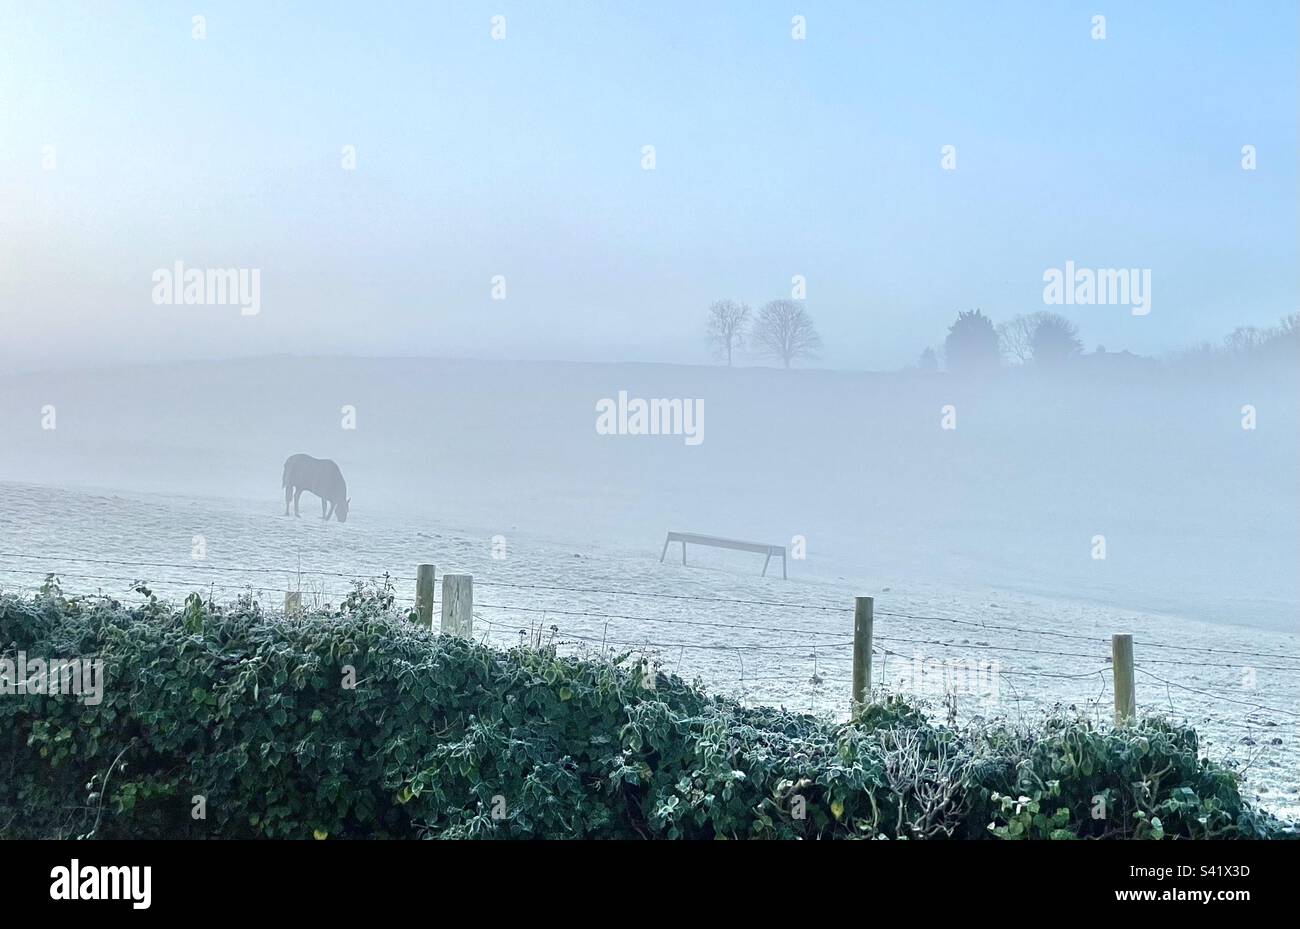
x=695 y=538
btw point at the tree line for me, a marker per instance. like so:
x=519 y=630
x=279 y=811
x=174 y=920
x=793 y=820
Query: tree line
x=782 y=330
x=974 y=344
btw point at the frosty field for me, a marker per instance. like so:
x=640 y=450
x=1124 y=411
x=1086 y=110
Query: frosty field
x=977 y=543
x=760 y=639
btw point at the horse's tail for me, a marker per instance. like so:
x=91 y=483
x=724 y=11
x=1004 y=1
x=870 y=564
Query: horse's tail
x=284 y=478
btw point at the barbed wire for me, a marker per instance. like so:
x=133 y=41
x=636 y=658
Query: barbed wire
x=600 y=615
x=150 y=583
x=650 y=619
x=194 y=567
x=1085 y=638
x=1216 y=696
x=808 y=647
x=1040 y=651
x=663 y=596
x=361 y=576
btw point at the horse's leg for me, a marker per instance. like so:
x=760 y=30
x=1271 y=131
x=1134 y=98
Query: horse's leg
x=288 y=492
x=331 y=511
x=323 y=514
x=297 y=494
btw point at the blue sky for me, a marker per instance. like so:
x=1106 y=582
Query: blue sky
x=522 y=157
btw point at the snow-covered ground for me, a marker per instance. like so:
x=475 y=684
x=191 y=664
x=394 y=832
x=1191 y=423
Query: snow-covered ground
x=763 y=640
x=976 y=543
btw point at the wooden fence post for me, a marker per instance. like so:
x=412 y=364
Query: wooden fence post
x=863 y=620
x=458 y=604
x=293 y=603
x=1121 y=656
x=424 y=595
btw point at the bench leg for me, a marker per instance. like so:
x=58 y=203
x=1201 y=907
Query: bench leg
x=765 y=561
x=683 y=551
x=664 y=553
x=783 y=577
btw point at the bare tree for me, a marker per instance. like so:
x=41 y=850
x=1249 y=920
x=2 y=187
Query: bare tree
x=785 y=330
x=727 y=322
x=1016 y=337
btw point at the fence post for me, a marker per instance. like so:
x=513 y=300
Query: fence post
x=863 y=620
x=458 y=604
x=424 y=595
x=293 y=603
x=1121 y=656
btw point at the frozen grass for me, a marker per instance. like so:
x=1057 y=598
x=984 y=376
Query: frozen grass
x=762 y=640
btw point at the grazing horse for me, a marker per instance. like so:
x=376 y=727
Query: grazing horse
x=320 y=476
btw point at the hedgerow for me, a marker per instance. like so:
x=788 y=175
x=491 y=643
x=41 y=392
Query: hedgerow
x=226 y=722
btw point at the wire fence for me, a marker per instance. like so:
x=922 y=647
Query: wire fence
x=797 y=653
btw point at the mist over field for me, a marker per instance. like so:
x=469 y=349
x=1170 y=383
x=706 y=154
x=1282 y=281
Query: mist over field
x=1197 y=513
x=596 y=419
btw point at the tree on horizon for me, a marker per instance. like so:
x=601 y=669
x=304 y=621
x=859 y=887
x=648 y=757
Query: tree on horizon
x=1055 y=340
x=784 y=330
x=1016 y=337
x=727 y=327
x=972 y=344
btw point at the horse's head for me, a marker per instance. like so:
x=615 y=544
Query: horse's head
x=341 y=511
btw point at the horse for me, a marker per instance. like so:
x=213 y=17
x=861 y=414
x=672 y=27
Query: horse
x=320 y=476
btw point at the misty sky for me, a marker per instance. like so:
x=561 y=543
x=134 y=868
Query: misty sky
x=523 y=157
